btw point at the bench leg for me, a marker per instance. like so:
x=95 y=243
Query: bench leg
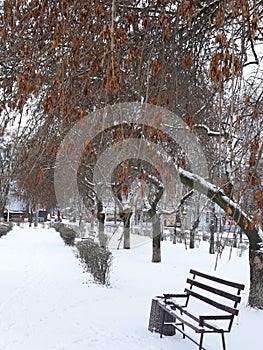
x=201 y=341
x=183 y=328
x=183 y=331
x=223 y=341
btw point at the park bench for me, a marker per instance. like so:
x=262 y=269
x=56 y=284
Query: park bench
x=214 y=301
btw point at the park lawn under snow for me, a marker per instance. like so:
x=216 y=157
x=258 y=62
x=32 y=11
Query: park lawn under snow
x=47 y=301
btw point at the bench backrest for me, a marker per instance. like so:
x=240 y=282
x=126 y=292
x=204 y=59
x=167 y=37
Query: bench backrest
x=206 y=288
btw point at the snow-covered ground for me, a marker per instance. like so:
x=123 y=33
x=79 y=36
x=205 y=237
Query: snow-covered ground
x=48 y=303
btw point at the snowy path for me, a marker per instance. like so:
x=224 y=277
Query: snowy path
x=39 y=280
x=48 y=303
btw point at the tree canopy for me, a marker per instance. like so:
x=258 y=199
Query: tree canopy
x=61 y=61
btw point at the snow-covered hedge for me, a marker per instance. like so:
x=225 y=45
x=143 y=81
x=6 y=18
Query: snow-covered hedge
x=67 y=233
x=96 y=259
x=5 y=228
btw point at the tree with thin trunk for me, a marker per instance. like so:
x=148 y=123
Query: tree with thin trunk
x=212 y=230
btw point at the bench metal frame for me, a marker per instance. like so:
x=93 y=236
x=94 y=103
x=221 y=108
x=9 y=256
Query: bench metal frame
x=201 y=324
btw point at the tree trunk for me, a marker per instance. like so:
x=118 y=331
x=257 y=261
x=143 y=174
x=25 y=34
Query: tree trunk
x=31 y=217
x=256 y=278
x=156 y=227
x=192 y=232
x=212 y=231
x=195 y=224
x=192 y=238
x=36 y=217
x=235 y=239
x=92 y=221
x=126 y=218
x=174 y=235
x=101 y=219
x=177 y=224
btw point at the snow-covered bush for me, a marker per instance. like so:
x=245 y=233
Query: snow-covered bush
x=5 y=228
x=67 y=233
x=96 y=259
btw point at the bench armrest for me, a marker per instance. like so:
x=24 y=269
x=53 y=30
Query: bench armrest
x=169 y=295
x=168 y=299
x=204 y=318
x=166 y=296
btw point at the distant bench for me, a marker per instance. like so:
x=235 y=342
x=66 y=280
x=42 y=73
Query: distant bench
x=212 y=298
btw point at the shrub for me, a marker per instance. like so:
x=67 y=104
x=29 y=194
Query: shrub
x=5 y=228
x=67 y=233
x=96 y=259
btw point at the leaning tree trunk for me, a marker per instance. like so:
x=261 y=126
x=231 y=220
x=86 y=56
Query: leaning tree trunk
x=255 y=238
x=256 y=278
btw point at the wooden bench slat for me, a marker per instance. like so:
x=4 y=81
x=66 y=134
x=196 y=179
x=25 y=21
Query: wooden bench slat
x=214 y=303
x=201 y=321
x=213 y=290
x=218 y=280
x=188 y=323
x=205 y=328
x=198 y=320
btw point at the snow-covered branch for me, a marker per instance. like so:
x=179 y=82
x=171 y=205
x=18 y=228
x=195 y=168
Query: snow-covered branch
x=232 y=208
x=208 y=130
x=173 y=211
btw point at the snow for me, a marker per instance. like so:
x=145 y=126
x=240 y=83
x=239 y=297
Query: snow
x=260 y=233
x=49 y=303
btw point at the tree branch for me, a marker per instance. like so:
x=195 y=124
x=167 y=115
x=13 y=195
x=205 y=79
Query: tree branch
x=254 y=235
